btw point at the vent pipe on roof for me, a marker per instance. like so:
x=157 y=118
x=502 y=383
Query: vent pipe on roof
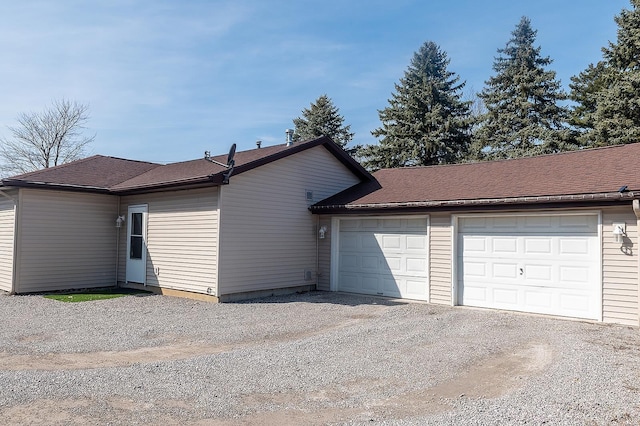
x=207 y=155
x=259 y=144
x=289 y=133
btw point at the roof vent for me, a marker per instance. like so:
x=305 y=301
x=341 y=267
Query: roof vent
x=289 y=133
x=207 y=155
x=259 y=144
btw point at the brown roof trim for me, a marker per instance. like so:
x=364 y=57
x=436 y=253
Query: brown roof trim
x=498 y=203
x=338 y=152
x=14 y=183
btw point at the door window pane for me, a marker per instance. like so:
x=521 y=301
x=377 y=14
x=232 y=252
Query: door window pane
x=137 y=223
x=136 y=247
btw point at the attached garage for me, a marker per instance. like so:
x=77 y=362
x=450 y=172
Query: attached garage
x=546 y=264
x=382 y=256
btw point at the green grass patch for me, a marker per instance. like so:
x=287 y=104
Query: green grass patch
x=98 y=294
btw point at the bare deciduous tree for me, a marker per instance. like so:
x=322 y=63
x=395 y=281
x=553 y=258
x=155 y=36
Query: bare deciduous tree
x=45 y=139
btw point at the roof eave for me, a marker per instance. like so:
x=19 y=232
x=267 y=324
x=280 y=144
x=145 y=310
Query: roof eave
x=58 y=186
x=200 y=182
x=607 y=198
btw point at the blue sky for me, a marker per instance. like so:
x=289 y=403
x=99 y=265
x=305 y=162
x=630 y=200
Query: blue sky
x=166 y=80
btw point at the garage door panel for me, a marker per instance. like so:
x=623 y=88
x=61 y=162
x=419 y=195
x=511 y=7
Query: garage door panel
x=504 y=270
x=393 y=287
x=541 y=300
x=416 y=287
x=368 y=242
x=475 y=295
x=505 y=296
x=416 y=266
x=538 y=274
x=504 y=245
x=390 y=224
x=390 y=242
x=416 y=242
x=540 y=245
x=349 y=262
x=579 y=304
x=369 y=263
x=390 y=257
x=475 y=244
x=393 y=264
x=348 y=241
x=578 y=223
x=474 y=269
x=370 y=282
x=350 y=281
x=531 y=264
x=569 y=246
x=574 y=276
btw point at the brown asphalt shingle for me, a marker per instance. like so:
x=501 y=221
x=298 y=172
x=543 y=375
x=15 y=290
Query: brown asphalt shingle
x=116 y=175
x=97 y=171
x=592 y=171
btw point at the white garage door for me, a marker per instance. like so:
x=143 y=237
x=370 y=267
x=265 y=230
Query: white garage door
x=539 y=263
x=384 y=256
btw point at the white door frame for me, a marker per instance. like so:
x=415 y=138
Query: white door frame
x=136 y=268
x=335 y=244
x=454 y=243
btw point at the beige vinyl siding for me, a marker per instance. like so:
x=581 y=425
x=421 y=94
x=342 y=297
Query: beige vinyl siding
x=440 y=259
x=66 y=240
x=324 y=255
x=620 y=268
x=268 y=235
x=182 y=239
x=7 y=227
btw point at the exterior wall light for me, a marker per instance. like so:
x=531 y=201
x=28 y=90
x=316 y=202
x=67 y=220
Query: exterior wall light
x=322 y=232
x=619 y=231
x=119 y=221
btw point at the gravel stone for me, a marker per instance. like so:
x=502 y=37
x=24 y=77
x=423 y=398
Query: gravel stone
x=313 y=358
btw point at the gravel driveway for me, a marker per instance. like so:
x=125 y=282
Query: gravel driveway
x=317 y=358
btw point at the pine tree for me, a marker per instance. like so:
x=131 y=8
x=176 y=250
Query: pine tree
x=617 y=115
x=426 y=122
x=523 y=116
x=322 y=118
x=585 y=88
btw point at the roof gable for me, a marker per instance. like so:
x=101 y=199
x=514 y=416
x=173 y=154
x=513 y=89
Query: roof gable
x=569 y=174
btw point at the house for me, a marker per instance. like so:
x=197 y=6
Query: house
x=554 y=234
x=175 y=228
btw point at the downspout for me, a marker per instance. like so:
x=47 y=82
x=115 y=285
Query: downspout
x=636 y=210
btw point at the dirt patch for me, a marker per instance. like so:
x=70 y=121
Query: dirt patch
x=177 y=351
x=489 y=378
x=106 y=359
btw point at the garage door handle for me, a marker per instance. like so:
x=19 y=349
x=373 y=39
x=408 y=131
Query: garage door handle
x=521 y=271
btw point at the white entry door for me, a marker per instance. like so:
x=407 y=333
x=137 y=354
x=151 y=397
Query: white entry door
x=384 y=256
x=137 y=244
x=547 y=264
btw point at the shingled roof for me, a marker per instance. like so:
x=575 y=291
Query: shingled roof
x=120 y=176
x=575 y=176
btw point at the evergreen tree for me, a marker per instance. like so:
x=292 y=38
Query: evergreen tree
x=585 y=88
x=426 y=122
x=322 y=118
x=523 y=116
x=617 y=115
